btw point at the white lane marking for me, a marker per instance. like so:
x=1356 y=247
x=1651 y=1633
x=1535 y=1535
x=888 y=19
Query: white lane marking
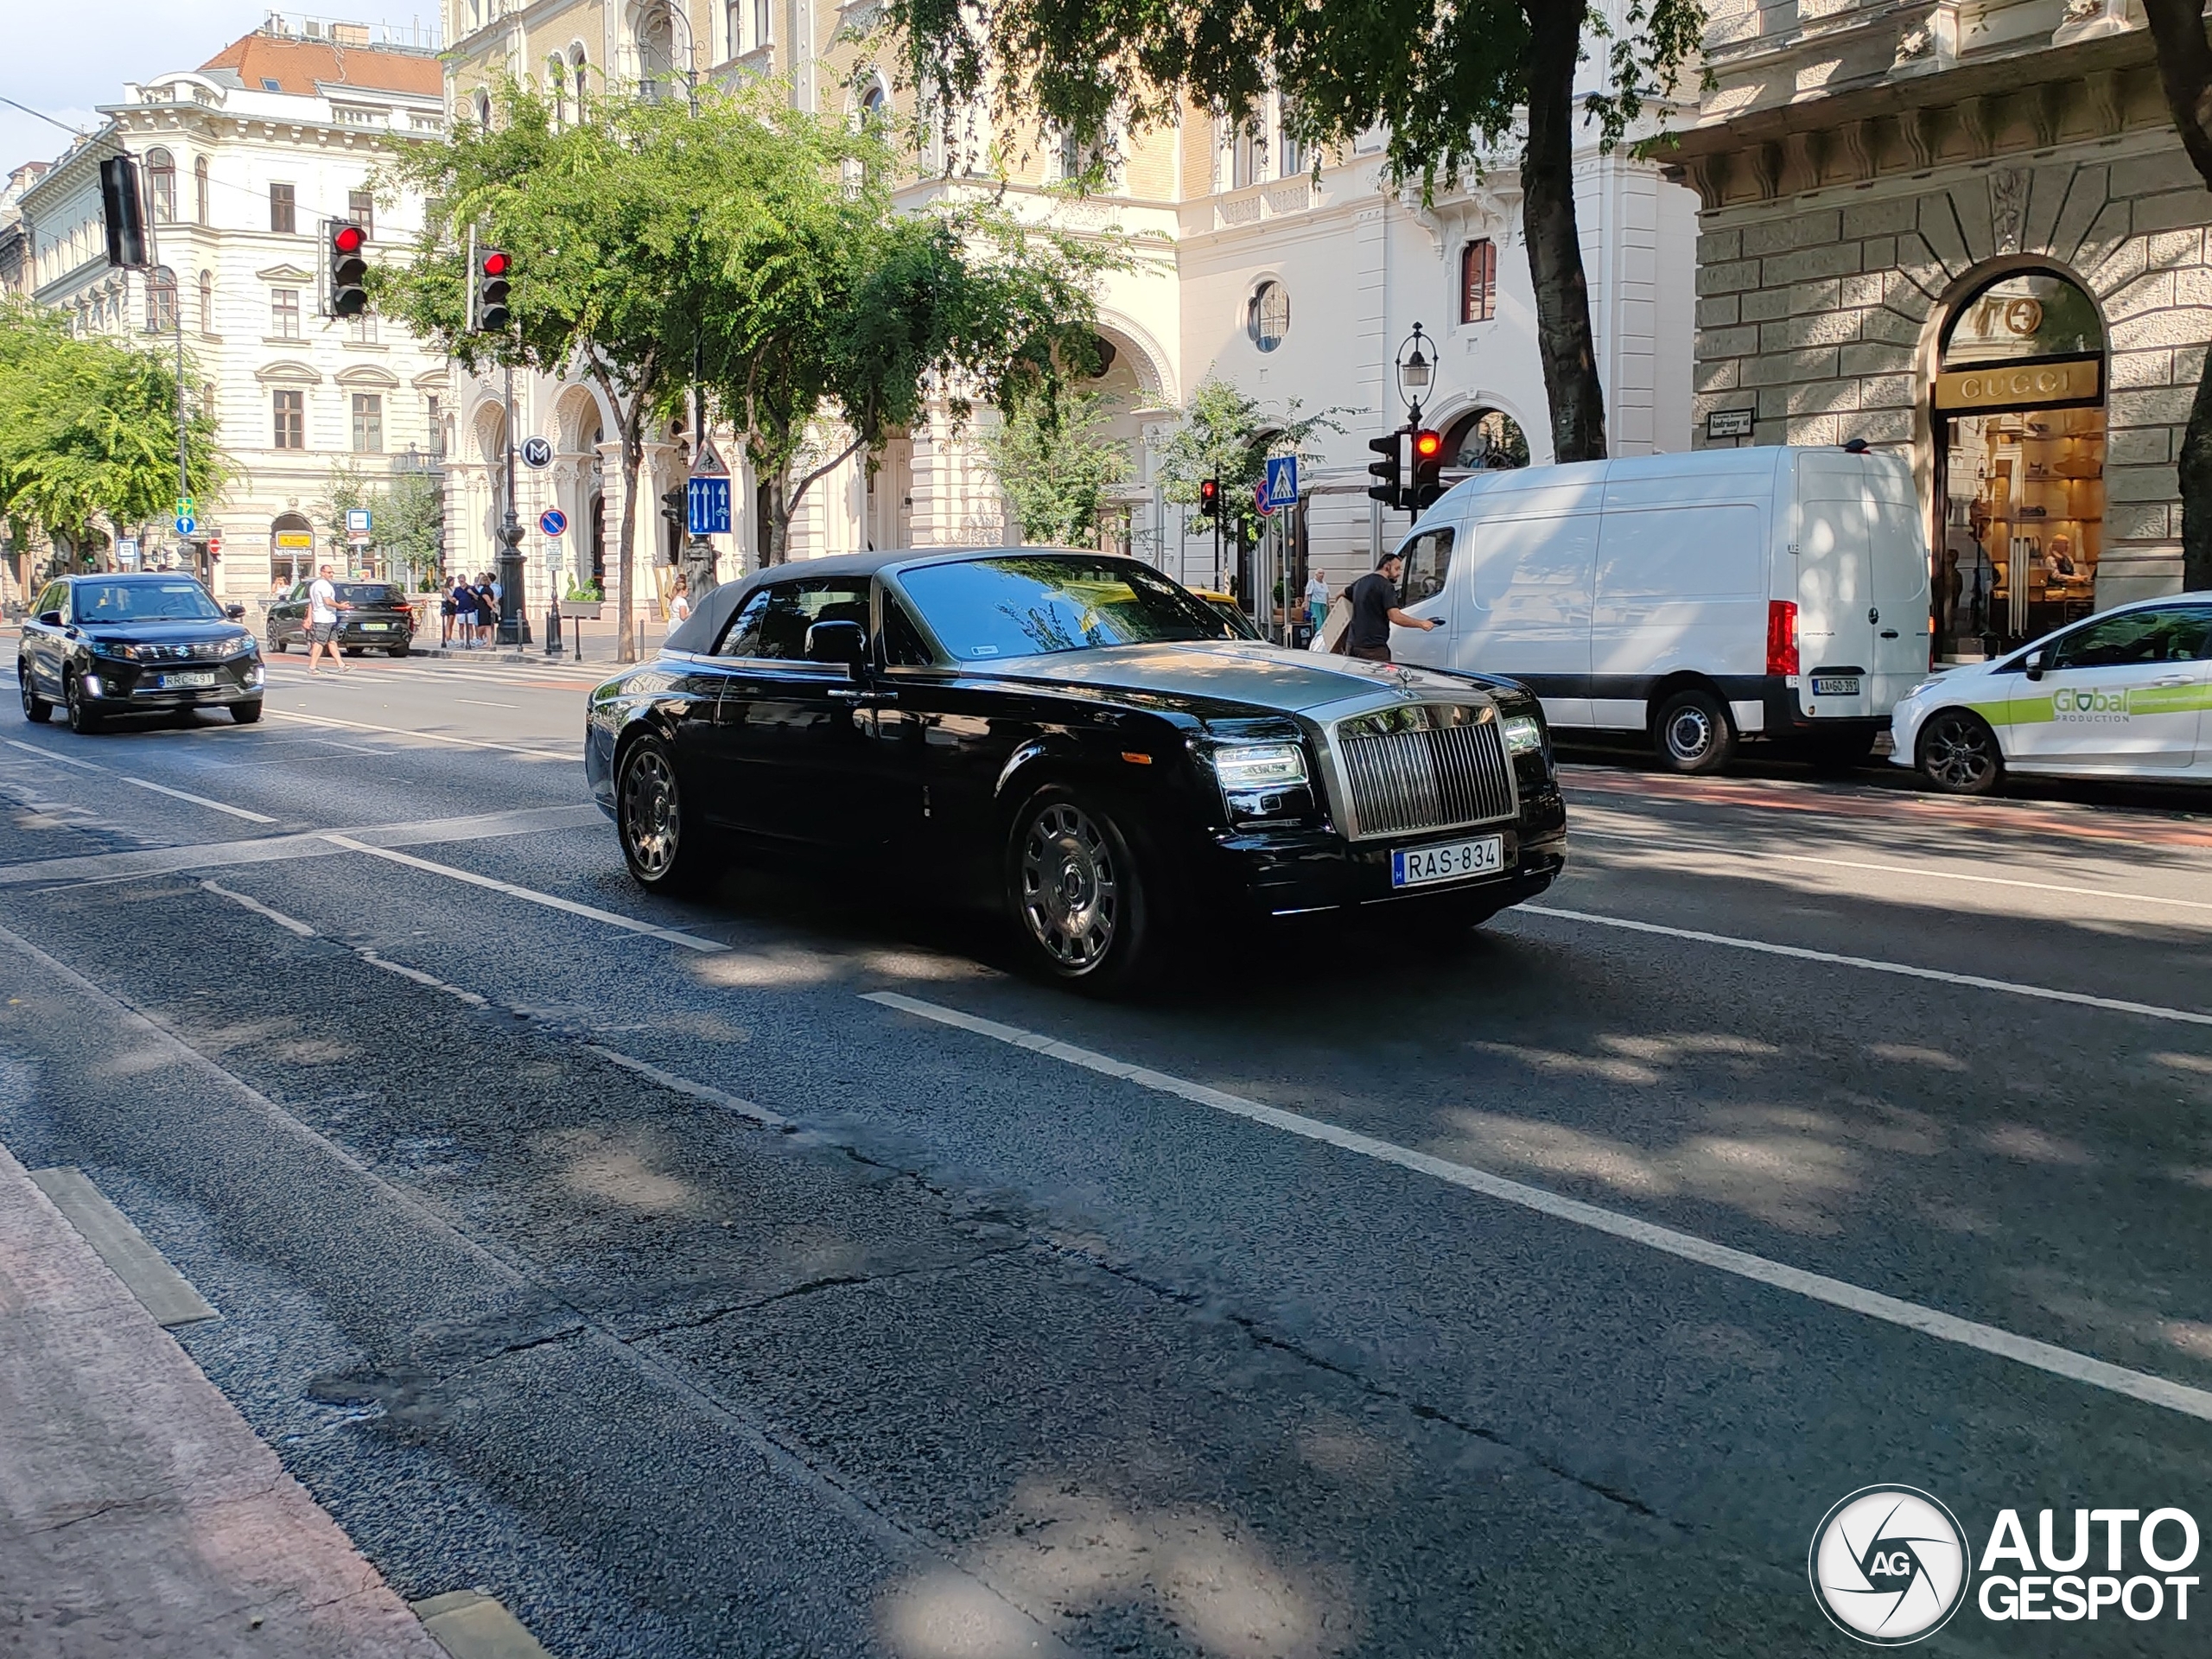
x=1925 y=873
x=707 y=1092
x=57 y=759
x=425 y=737
x=290 y=923
x=1779 y=1275
x=478 y=702
x=630 y=923
x=421 y=978
x=200 y=800
x=1875 y=965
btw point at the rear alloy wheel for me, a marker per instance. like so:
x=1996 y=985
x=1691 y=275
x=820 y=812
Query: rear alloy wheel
x=1958 y=753
x=1693 y=732
x=37 y=710
x=277 y=644
x=665 y=851
x=1077 y=895
x=245 y=713
x=82 y=720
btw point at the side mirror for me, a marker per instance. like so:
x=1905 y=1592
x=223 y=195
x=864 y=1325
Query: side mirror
x=841 y=643
x=236 y=613
x=49 y=618
x=2031 y=664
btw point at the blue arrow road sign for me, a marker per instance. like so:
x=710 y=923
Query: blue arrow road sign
x=552 y=521
x=709 y=499
x=1282 y=481
x=186 y=524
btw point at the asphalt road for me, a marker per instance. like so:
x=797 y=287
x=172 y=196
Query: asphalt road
x=777 y=1274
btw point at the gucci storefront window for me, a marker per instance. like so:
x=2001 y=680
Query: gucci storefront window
x=2019 y=422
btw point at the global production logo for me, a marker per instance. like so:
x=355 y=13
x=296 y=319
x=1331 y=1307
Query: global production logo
x=1889 y=1565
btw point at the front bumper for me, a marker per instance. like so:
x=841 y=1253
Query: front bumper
x=117 y=688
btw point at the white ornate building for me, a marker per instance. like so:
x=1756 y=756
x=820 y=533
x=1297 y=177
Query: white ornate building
x=244 y=158
x=1252 y=268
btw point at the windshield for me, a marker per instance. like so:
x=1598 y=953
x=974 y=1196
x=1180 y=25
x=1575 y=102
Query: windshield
x=1027 y=604
x=182 y=600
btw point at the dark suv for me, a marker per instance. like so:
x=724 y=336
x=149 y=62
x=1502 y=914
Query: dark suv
x=372 y=616
x=131 y=645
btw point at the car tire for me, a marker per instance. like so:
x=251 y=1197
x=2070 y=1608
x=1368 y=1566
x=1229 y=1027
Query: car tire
x=245 y=713
x=37 y=710
x=1693 y=732
x=1835 y=753
x=399 y=650
x=1959 y=755
x=354 y=650
x=277 y=644
x=82 y=720
x=1077 y=894
x=666 y=851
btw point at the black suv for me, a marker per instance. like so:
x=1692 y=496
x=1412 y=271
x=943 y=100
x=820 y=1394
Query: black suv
x=372 y=616
x=130 y=644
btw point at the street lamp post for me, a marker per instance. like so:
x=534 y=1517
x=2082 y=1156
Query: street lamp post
x=1415 y=370
x=510 y=622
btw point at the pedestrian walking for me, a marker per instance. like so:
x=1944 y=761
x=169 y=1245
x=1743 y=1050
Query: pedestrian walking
x=1317 y=606
x=1375 y=607
x=322 y=622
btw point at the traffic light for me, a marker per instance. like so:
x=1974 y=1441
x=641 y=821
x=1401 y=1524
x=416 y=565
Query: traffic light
x=673 y=504
x=349 y=267
x=494 y=271
x=124 y=215
x=1209 y=499
x=1388 y=473
x=1428 y=467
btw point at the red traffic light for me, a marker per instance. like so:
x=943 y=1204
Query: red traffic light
x=1428 y=443
x=1209 y=496
x=348 y=238
x=495 y=264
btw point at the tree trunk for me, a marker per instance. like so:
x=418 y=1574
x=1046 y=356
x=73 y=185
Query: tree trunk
x=633 y=456
x=2185 y=74
x=1548 y=223
x=773 y=515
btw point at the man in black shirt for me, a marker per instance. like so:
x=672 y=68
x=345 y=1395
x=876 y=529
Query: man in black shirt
x=1375 y=607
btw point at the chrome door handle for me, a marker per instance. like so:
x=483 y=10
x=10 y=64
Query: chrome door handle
x=867 y=698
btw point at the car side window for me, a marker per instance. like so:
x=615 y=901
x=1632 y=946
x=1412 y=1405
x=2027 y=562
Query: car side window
x=742 y=637
x=55 y=597
x=2176 y=634
x=1428 y=565
x=903 y=645
x=772 y=624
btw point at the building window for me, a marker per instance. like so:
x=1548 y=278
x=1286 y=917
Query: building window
x=361 y=328
x=161 y=301
x=368 y=424
x=1267 y=319
x=283 y=209
x=1293 y=157
x=433 y=413
x=206 y=301
x=291 y=420
x=284 y=313
x=200 y=190
x=1247 y=155
x=160 y=184
x=1479 y=281
x=761 y=15
x=361 y=208
x=481 y=102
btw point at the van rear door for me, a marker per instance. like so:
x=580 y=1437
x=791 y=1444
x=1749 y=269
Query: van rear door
x=1836 y=607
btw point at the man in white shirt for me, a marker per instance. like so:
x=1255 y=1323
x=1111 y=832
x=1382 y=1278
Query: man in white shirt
x=322 y=622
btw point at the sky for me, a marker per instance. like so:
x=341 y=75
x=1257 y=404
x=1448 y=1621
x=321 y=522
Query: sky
x=67 y=57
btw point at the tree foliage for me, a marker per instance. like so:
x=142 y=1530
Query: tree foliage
x=406 y=517
x=1054 y=462
x=88 y=430
x=1222 y=434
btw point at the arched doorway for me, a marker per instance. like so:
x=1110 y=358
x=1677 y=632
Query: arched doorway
x=2018 y=412
x=291 y=549
x=1485 y=440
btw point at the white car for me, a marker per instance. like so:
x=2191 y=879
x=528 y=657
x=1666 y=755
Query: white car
x=2124 y=694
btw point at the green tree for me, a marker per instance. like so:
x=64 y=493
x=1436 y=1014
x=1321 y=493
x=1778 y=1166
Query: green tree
x=406 y=515
x=1451 y=81
x=88 y=432
x=1054 y=463
x=1222 y=434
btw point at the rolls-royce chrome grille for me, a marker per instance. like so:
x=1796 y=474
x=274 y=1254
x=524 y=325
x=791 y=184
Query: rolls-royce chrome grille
x=1423 y=767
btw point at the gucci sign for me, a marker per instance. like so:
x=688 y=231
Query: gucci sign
x=2020 y=385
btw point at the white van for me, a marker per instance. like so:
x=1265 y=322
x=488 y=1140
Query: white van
x=1698 y=598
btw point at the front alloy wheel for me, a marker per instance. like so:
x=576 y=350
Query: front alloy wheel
x=660 y=846
x=37 y=710
x=1076 y=891
x=82 y=720
x=1958 y=753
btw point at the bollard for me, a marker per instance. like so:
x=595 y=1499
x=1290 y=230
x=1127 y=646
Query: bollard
x=553 y=629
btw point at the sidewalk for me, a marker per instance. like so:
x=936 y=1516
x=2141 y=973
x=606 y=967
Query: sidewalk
x=138 y=1513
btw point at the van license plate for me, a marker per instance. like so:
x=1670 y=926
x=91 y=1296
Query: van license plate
x=1453 y=861
x=1835 y=686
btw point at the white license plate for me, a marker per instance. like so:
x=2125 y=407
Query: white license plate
x=187 y=682
x=1835 y=686
x=1450 y=860
x=374 y=627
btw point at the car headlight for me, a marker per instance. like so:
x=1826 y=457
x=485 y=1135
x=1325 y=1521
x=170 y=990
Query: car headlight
x=241 y=646
x=1524 y=733
x=1925 y=685
x=1260 y=766
x=115 y=648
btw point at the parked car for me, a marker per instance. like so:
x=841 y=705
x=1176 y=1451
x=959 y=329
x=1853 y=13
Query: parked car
x=1771 y=592
x=130 y=644
x=2122 y=695
x=1074 y=738
x=372 y=616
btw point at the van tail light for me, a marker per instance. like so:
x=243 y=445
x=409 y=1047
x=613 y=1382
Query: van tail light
x=1782 y=636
